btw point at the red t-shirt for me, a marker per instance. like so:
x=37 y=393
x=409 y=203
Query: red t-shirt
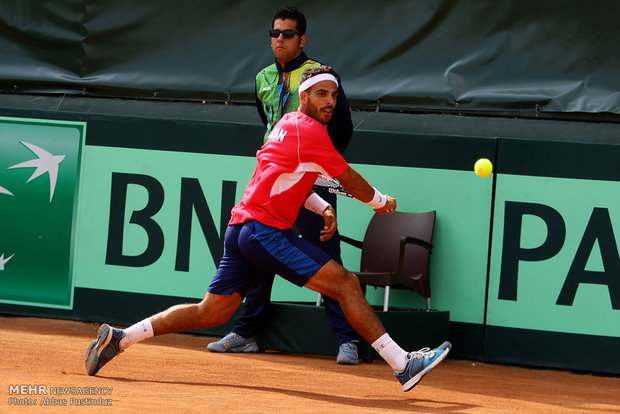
x=297 y=150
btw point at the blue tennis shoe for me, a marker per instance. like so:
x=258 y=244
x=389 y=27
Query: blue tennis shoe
x=103 y=349
x=234 y=343
x=421 y=363
x=348 y=354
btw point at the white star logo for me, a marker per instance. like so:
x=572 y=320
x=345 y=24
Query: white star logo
x=3 y=260
x=5 y=191
x=45 y=163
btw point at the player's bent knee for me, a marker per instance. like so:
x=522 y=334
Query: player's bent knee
x=334 y=281
x=353 y=283
x=348 y=284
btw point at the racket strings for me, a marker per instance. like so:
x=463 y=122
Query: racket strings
x=322 y=181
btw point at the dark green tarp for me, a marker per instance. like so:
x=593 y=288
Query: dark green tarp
x=510 y=56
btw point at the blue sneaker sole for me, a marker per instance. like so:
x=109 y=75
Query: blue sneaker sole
x=347 y=361
x=408 y=386
x=249 y=348
x=104 y=335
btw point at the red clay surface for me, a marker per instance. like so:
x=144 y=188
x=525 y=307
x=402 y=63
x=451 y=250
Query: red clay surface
x=175 y=373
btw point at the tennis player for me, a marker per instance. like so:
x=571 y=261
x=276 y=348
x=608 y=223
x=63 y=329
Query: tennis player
x=277 y=92
x=260 y=238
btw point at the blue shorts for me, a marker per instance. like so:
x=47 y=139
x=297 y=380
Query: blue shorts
x=252 y=248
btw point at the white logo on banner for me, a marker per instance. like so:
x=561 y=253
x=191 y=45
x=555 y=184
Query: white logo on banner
x=45 y=163
x=3 y=260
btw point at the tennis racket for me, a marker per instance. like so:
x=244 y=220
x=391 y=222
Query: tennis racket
x=330 y=185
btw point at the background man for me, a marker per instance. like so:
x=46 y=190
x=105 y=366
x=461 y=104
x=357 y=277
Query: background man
x=276 y=94
x=259 y=239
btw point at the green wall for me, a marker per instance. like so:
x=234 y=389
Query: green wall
x=462 y=211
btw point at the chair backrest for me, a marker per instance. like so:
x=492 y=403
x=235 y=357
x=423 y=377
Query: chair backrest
x=382 y=244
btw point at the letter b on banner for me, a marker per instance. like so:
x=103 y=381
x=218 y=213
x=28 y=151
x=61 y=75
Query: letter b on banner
x=143 y=218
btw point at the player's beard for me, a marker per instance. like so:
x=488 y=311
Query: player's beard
x=318 y=114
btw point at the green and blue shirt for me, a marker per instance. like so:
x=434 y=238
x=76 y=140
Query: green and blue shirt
x=277 y=93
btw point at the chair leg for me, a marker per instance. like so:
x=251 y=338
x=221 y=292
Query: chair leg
x=318 y=300
x=428 y=304
x=386 y=298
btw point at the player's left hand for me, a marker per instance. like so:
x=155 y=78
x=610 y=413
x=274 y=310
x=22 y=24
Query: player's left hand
x=331 y=224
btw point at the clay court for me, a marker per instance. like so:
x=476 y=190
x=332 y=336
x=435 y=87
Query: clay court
x=175 y=373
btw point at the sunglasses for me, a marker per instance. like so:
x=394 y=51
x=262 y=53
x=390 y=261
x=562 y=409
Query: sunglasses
x=287 y=34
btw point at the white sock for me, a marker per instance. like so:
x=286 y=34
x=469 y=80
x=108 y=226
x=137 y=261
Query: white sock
x=391 y=352
x=136 y=333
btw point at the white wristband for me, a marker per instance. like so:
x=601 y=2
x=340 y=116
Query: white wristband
x=378 y=200
x=315 y=203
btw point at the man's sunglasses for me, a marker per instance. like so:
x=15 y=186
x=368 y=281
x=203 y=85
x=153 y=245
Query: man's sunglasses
x=287 y=34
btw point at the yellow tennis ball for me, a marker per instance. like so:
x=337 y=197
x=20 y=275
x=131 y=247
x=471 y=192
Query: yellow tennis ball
x=483 y=167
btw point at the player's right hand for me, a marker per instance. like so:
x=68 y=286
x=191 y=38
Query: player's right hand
x=331 y=224
x=389 y=207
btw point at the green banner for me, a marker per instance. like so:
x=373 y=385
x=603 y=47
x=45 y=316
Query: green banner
x=152 y=222
x=39 y=163
x=555 y=262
